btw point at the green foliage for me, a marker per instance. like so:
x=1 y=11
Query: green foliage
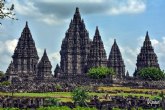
x=83 y=108
x=54 y=101
x=9 y=109
x=161 y=94
x=139 y=108
x=54 y=108
x=5 y=83
x=151 y=73
x=100 y=72
x=79 y=96
x=1 y=74
x=6 y=12
x=58 y=86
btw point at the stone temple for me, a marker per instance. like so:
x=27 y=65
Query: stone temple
x=78 y=54
x=115 y=61
x=97 y=55
x=75 y=47
x=25 y=64
x=147 y=57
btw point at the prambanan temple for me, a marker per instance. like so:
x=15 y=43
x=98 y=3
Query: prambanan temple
x=78 y=54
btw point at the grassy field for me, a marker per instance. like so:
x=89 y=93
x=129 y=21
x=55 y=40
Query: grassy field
x=63 y=96
x=130 y=89
x=66 y=96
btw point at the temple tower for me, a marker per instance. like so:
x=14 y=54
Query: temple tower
x=97 y=56
x=44 y=68
x=147 y=56
x=57 y=71
x=25 y=57
x=115 y=61
x=75 y=47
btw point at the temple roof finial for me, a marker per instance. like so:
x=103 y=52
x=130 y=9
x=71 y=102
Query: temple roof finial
x=77 y=16
x=147 y=36
x=45 y=54
x=26 y=24
x=115 y=42
x=77 y=10
x=97 y=31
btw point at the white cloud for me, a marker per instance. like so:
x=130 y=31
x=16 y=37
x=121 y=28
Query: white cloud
x=28 y=8
x=128 y=7
x=159 y=47
x=6 y=51
x=10 y=45
x=129 y=56
x=73 y=1
x=55 y=56
x=55 y=12
x=50 y=19
x=154 y=42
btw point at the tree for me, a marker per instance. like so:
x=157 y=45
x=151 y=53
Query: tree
x=1 y=74
x=100 y=72
x=6 y=12
x=79 y=96
x=5 y=83
x=151 y=73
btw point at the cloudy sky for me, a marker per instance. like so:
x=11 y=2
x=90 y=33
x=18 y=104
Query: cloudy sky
x=124 y=20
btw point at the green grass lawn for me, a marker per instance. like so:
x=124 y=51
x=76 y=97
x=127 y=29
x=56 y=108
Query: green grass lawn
x=66 y=96
x=63 y=96
x=48 y=94
x=129 y=89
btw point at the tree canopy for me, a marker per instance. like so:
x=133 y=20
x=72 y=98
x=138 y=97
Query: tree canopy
x=1 y=74
x=80 y=96
x=100 y=72
x=151 y=73
x=6 y=12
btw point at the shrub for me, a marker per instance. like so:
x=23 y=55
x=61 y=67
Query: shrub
x=84 y=108
x=79 y=96
x=151 y=73
x=54 y=108
x=100 y=72
x=5 y=83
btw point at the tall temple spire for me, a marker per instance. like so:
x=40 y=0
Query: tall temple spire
x=75 y=47
x=115 y=61
x=147 y=37
x=77 y=10
x=26 y=24
x=77 y=16
x=147 y=56
x=97 y=31
x=44 y=67
x=115 y=42
x=25 y=57
x=97 y=56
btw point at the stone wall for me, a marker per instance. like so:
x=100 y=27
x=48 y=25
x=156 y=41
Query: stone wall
x=68 y=83
x=132 y=82
x=111 y=101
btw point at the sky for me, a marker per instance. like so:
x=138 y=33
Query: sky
x=124 y=20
